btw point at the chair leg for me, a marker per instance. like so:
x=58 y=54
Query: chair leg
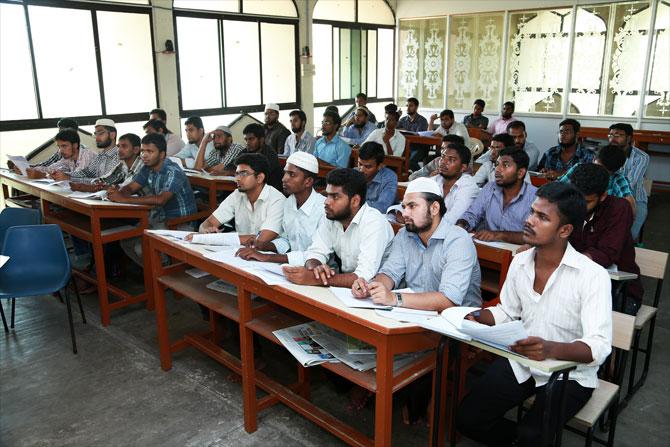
x=647 y=353
x=612 y=423
x=11 y=325
x=589 y=437
x=81 y=308
x=69 y=317
x=4 y=320
x=633 y=365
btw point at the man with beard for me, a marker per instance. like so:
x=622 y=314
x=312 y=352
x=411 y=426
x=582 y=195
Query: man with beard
x=224 y=152
x=330 y=148
x=635 y=168
x=300 y=140
x=195 y=132
x=303 y=211
x=563 y=301
x=458 y=188
x=361 y=100
x=275 y=132
x=356 y=133
x=498 y=214
x=358 y=234
x=254 y=138
x=71 y=156
x=517 y=130
x=382 y=181
x=487 y=170
x=499 y=125
x=568 y=153
x=388 y=136
x=413 y=122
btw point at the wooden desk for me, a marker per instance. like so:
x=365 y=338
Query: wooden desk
x=390 y=337
x=96 y=221
x=213 y=184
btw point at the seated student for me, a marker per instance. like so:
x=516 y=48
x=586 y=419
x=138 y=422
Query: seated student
x=71 y=156
x=563 y=300
x=300 y=139
x=449 y=126
x=303 y=211
x=476 y=118
x=568 y=153
x=174 y=145
x=487 y=170
x=195 y=132
x=517 y=130
x=357 y=233
x=174 y=142
x=499 y=125
x=388 y=108
x=499 y=212
x=356 y=133
x=275 y=132
x=413 y=122
x=605 y=236
x=382 y=181
x=361 y=100
x=166 y=189
x=254 y=137
x=388 y=136
x=330 y=148
x=458 y=188
x=430 y=168
x=223 y=153
x=255 y=207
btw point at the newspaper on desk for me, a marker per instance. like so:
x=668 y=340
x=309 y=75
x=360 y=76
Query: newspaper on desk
x=300 y=343
x=20 y=162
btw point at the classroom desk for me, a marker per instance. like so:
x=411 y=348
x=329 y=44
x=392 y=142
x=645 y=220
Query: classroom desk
x=390 y=337
x=95 y=221
x=213 y=184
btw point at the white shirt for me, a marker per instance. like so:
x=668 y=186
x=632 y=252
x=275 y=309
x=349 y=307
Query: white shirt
x=361 y=247
x=190 y=152
x=456 y=129
x=266 y=214
x=576 y=305
x=397 y=141
x=299 y=226
x=460 y=196
x=306 y=143
x=174 y=144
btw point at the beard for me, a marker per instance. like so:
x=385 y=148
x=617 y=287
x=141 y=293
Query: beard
x=359 y=126
x=412 y=227
x=296 y=129
x=220 y=147
x=342 y=215
x=104 y=144
x=568 y=143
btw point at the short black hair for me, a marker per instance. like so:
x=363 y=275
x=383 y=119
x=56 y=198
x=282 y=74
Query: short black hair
x=509 y=103
x=453 y=138
x=69 y=135
x=370 y=150
x=160 y=112
x=568 y=199
x=362 y=95
x=519 y=156
x=352 y=182
x=414 y=101
x=504 y=138
x=194 y=121
x=390 y=108
x=448 y=113
x=255 y=129
x=300 y=114
x=480 y=102
x=611 y=157
x=257 y=162
x=334 y=116
x=430 y=198
x=623 y=126
x=393 y=114
x=157 y=140
x=516 y=125
x=332 y=108
x=590 y=178
x=67 y=123
x=131 y=138
x=463 y=152
x=158 y=125
x=572 y=123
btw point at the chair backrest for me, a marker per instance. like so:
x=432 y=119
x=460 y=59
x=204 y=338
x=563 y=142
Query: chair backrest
x=652 y=263
x=623 y=327
x=498 y=259
x=10 y=217
x=476 y=147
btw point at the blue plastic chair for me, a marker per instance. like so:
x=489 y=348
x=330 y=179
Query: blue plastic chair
x=38 y=265
x=10 y=217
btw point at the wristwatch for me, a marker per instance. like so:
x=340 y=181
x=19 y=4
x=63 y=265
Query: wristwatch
x=398 y=299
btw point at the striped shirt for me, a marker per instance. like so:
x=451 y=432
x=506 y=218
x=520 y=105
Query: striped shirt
x=121 y=174
x=224 y=157
x=101 y=165
x=635 y=169
x=85 y=157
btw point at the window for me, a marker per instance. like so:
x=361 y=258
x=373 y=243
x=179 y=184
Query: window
x=274 y=8
x=242 y=62
x=278 y=40
x=208 y=5
x=657 y=96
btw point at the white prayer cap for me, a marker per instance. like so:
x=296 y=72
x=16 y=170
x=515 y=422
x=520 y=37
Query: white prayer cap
x=272 y=106
x=225 y=129
x=105 y=122
x=304 y=160
x=424 y=184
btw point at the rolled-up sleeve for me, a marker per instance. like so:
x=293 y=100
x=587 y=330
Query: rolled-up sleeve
x=375 y=239
x=395 y=264
x=596 y=316
x=226 y=211
x=273 y=218
x=461 y=257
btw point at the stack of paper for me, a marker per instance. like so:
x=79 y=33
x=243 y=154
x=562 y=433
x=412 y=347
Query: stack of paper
x=20 y=162
x=232 y=239
x=269 y=272
x=299 y=340
x=102 y=195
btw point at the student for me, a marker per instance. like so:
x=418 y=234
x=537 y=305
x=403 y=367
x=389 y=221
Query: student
x=487 y=170
x=388 y=136
x=413 y=122
x=605 y=236
x=499 y=212
x=517 y=130
x=358 y=234
x=356 y=133
x=361 y=100
x=303 y=211
x=71 y=156
x=255 y=207
x=254 y=138
x=275 y=132
x=195 y=132
x=382 y=182
x=430 y=168
x=476 y=118
x=222 y=155
x=568 y=153
x=167 y=190
x=499 y=125
x=388 y=108
x=449 y=126
x=300 y=140
x=174 y=143
x=330 y=148
x=458 y=188
x=563 y=300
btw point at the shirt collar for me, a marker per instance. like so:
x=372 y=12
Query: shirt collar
x=571 y=258
x=498 y=191
x=359 y=215
x=310 y=204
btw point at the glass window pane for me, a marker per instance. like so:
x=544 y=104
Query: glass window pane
x=341 y=10
x=57 y=76
x=200 y=77
x=345 y=63
x=127 y=62
x=657 y=99
x=385 y=63
x=136 y=2
x=355 y=62
x=243 y=77
x=336 y=63
x=322 y=36
x=375 y=11
x=278 y=50
x=363 y=72
x=22 y=142
x=372 y=64
x=17 y=89
x=274 y=8
x=208 y=5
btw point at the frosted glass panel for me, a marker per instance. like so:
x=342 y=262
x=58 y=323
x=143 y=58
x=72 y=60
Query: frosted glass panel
x=657 y=99
x=372 y=63
x=16 y=78
x=336 y=63
x=243 y=78
x=269 y=8
x=340 y=10
x=278 y=50
x=375 y=11
x=200 y=77
x=323 y=62
x=59 y=77
x=385 y=63
x=127 y=62
x=209 y=5
x=345 y=63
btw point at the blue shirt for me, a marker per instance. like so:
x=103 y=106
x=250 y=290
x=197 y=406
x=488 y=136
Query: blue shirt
x=336 y=152
x=552 y=158
x=635 y=169
x=357 y=135
x=382 y=190
x=487 y=209
x=170 y=178
x=419 y=124
x=447 y=265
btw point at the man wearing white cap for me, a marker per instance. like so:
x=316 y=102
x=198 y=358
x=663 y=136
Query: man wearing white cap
x=303 y=210
x=223 y=154
x=275 y=132
x=435 y=258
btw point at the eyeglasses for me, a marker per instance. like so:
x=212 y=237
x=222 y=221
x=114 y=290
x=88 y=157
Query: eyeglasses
x=100 y=132
x=329 y=123
x=565 y=131
x=244 y=174
x=617 y=135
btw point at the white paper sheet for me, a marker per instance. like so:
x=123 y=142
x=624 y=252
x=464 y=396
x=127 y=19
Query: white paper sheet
x=404 y=316
x=196 y=273
x=3 y=260
x=173 y=234
x=232 y=239
x=102 y=195
x=268 y=272
x=344 y=295
x=20 y=162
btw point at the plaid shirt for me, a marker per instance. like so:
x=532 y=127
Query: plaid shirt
x=225 y=157
x=67 y=166
x=49 y=161
x=101 y=165
x=551 y=159
x=635 y=169
x=170 y=178
x=618 y=185
x=121 y=174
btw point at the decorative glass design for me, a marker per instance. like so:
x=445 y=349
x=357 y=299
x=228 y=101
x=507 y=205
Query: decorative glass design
x=657 y=97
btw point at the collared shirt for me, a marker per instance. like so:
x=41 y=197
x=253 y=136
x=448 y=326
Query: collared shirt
x=487 y=209
x=275 y=137
x=100 y=166
x=418 y=124
x=447 y=265
x=190 y=152
x=51 y=160
x=487 y=170
x=575 y=305
x=276 y=172
x=382 y=190
x=397 y=141
x=617 y=186
x=170 y=178
x=85 y=157
x=426 y=170
x=371 y=116
x=499 y=125
x=635 y=169
x=357 y=135
x=460 y=196
x=265 y=214
x=481 y=121
x=121 y=174
x=456 y=129
x=533 y=155
x=552 y=158
x=361 y=247
x=174 y=144
x=224 y=157
x=306 y=143
x=336 y=151
x=299 y=226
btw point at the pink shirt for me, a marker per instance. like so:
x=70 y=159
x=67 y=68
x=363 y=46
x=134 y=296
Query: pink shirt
x=499 y=125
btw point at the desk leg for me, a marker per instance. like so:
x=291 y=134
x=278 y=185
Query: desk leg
x=454 y=363
x=154 y=267
x=99 y=257
x=148 y=282
x=247 y=359
x=384 y=397
x=439 y=394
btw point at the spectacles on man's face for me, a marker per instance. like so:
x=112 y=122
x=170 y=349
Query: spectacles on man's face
x=100 y=132
x=616 y=135
x=327 y=123
x=244 y=174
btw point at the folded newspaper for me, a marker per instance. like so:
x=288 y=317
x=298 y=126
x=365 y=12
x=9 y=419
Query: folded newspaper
x=300 y=342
